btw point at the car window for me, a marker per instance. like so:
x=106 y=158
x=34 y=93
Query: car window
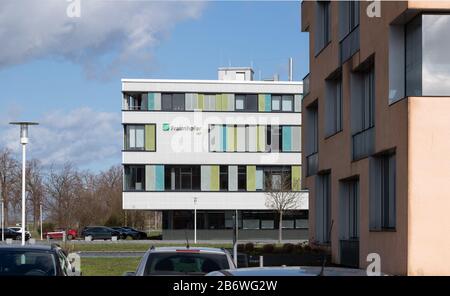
x=185 y=263
x=28 y=263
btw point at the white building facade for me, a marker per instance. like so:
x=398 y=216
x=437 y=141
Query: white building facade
x=216 y=145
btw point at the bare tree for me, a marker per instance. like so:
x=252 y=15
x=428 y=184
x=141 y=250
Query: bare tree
x=8 y=179
x=35 y=189
x=282 y=195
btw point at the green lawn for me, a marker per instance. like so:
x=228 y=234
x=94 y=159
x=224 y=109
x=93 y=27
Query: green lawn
x=108 y=266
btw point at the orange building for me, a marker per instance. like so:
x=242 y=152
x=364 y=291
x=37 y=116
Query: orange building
x=376 y=140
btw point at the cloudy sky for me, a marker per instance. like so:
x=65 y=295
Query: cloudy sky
x=65 y=71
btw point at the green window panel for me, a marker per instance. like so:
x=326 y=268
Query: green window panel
x=296 y=176
x=224 y=102
x=268 y=102
x=251 y=178
x=200 y=101
x=150 y=137
x=231 y=144
x=218 y=102
x=214 y=183
x=261 y=138
x=261 y=103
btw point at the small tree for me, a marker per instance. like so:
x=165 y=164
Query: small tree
x=282 y=195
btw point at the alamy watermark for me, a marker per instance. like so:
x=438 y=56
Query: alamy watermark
x=74 y=8
x=374 y=267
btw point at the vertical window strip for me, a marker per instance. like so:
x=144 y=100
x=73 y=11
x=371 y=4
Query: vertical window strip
x=205 y=172
x=214 y=181
x=261 y=103
x=268 y=102
x=151 y=101
x=286 y=139
x=159 y=177
x=232 y=178
x=251 y=178
x=296 y=174
x=150 y=137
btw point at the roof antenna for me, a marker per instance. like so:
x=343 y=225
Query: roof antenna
x=187 y=239
x=324 y=260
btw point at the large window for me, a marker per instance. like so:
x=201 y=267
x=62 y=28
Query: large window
x=246 y=103
x=223 y=178
x=363 y=112
x=333 y=106
x=288 y=103
x=135 y=101
x=182 y=177
x=134 y=137
x=242 y=178
x=323 y=25
x=383 y=192
x=173 y=102
x=312 y=136
x=134 y=178
x=323 y=208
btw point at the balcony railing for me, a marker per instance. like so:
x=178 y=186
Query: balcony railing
x=349 y=251
x=312 y=164
x=363 y=143
x=306 y=85
x=349 y=45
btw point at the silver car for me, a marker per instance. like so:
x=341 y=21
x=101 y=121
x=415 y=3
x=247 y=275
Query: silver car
x=183 y=261
x=290 y=271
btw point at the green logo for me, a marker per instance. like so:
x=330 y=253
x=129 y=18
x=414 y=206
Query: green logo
x=166 y=127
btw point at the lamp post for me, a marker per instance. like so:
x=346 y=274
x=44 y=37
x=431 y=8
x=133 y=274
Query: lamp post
x=24 y=141
x=3 y=215
x=40 y=224
x=195 y=220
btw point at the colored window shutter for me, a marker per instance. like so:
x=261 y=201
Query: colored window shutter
x=251 y=178
x=200 y=100
x=230 y=99
x=224 y=102
x=240 y=138
x=150 y=178
x=189 y=102
x=214 y=183
x=268 y=103
x=252 y=138
x=150 y=137
x=261 y=103
x=275 y=141
x=296 y=138
x=232 y=178
x=205 y=177
x=287 y=139
x=296 y=175
x=261 y=138
x=298 y=103
x=159 y=176
x=230 y=138
x=156 y=101
x=259 y=179
x=224 y=138
x=151 y=102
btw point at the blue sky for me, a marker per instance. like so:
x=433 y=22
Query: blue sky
x=70 y=86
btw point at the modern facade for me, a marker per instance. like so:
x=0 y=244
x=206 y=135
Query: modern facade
x=215 y=146
x=377 y=132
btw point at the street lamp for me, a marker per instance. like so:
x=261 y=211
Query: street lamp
x=3 y=215
x=195 y=220
x=40 y=224
x=24 y=141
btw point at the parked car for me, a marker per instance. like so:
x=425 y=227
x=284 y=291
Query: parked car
x=12 y=234
x=99 y=232
x=183 y=261
x=19 y=230
x=290 y=271
x=141 y=234
x=58 y=234
x=35 y=261
x=127 y=233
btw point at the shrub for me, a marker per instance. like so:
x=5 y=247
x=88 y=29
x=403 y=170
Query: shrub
x=299 y=248
x=267 y=249
x=307 y=248
x=249 y=247
x=240 y=247
x=288 y=248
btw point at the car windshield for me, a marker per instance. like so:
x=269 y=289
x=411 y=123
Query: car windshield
x=180 y=263
x=23 y=262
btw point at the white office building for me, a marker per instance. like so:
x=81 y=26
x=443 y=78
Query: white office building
x=215 y=145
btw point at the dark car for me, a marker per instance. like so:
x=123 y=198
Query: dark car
x=141 y=234
x=34 y=261
x=183 y=261
x=99 y=232
x=127 y=233
x=9 y=233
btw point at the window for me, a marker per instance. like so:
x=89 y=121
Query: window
x=323 y=208
x=242 y=178
x=383 y=192
x=223 y=178
x=277 y=178
x=135 y=178
x=173 y=102
x=135 y=102
x=349 y=210
x=288 y=102
x=240 y=75
x=247 y=103
x=323 y=25
x=276 y=103
x=182 y=177
x=134 y=137
x=333 y=106
x=312 y=137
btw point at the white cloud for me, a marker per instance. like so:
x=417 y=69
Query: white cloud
x=121 y=32
x=85 y=137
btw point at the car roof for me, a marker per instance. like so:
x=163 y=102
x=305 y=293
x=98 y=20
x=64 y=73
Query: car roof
x=27 y=247
x=293 y=271
x=184 y=248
